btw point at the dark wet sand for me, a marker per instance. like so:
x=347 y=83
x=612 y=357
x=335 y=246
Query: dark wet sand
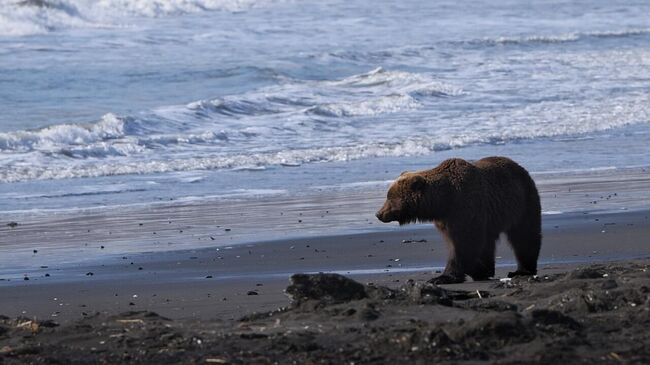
x=210 y=283
x=594 y=314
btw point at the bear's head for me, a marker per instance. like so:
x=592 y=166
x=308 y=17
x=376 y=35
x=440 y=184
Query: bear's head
x=412 y=198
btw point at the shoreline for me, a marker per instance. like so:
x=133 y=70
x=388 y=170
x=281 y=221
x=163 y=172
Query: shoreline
x=70 y=238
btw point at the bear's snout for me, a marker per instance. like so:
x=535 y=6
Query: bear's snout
x=385 y=214
x=380 y=216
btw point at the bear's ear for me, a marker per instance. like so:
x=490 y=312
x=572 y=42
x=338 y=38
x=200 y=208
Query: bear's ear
x=403 y=173
x=417 y=183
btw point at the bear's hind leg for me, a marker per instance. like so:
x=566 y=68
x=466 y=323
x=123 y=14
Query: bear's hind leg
x=526 y=242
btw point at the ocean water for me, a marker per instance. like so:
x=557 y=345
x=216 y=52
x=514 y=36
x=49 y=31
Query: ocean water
x=117 y=103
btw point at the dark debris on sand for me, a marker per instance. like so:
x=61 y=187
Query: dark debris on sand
x=597 y=314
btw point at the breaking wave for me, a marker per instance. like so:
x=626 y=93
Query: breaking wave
x=564 y=38
x=28 y=17
x=298 y=122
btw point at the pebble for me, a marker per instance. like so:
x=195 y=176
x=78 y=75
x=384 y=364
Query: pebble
x=414 y=241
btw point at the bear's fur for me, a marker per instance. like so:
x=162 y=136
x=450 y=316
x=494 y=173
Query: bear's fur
x=471 y=204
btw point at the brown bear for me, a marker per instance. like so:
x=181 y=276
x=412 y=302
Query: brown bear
x=472 y=204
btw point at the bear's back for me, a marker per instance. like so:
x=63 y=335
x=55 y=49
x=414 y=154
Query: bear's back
x=502 y=171
x=509 y=188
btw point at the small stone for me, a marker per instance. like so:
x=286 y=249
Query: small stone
x=252 y=292
x=90 y=273
x=12 y=224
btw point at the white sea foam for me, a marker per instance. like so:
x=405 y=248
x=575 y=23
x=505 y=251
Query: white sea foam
x=354 y=185
x=567 y=37
x=19 y=18
x=109 y=127
x=294 y=123
x=552 y=212
x=376 y=106
x=404 y=82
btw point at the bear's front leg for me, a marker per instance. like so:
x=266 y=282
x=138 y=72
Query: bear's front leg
x=464 y=246
x=453 y=272
x=447 y=279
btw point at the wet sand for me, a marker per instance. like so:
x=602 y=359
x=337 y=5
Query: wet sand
x=228 y=282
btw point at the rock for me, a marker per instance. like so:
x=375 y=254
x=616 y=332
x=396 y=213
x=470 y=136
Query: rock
x=502 y=327
x=490 y=305
x=551 y=317
x=609 y=284
x=428 y=293
x=327 y=288
x=593 y=272
x=369 y=313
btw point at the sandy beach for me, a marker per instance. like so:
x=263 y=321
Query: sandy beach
x=230 y=303
x=197 y=283
x=570 y=312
